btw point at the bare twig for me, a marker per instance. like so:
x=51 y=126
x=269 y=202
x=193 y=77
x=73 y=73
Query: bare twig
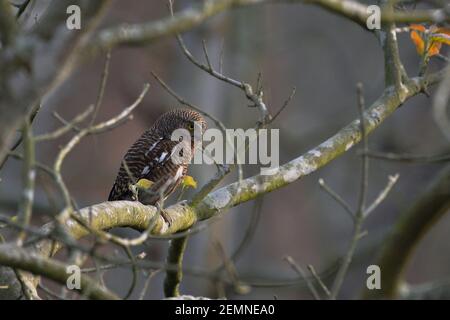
x=49 y=171
x=319 y=280
x=147 y=284
x=338 y=198
x=249 y=233
x=301 y=273
x=66 y=128
x=409 y=157
x=101 y=91
x=238 y=286
x=285 y=104
x=365 y=158
x=22 y=7
x=256 y=98
x=32 y=116
x=383 y=194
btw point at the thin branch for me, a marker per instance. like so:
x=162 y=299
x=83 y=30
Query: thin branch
x=249 y=233
x=409 y=157
x=383 y=194
x=182 y=101
x=302 y=274
x=337 y=198
x=66 y=128
x=58 y=117
x=365 y=159
x=49 y=171
x=32 y=116
x=205 y=52
x=359 y=214
x=147 y=284
x=21 y=8
x=285 y=104
x=255 y=98
x=238 y=286
x=101 y=90
x=134 y=270
x=319 y=280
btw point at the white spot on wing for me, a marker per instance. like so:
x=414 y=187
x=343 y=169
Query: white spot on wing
x=145 y=170
x=152 y=147
x=162 y=157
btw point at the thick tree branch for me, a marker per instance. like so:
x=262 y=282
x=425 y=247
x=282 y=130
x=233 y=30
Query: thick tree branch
x=358 y=12
x=21 y=259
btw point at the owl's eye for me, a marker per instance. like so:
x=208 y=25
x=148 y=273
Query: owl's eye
x=191 y=126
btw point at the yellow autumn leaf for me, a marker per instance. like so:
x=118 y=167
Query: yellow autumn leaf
x=440 y=37
x=144 y=184
x=188 y=181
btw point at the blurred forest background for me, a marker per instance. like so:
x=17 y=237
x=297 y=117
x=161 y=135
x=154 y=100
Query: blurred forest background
x=323 y=56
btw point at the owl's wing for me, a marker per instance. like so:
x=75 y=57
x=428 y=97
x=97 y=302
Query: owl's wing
x=154 y=160
x=164 y=168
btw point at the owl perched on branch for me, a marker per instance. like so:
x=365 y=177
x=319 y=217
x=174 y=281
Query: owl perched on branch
x=151 y=161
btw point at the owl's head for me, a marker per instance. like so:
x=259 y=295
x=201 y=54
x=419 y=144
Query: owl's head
x=175 y=119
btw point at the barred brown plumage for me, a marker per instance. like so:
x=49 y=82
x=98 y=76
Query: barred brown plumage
x=150 y=158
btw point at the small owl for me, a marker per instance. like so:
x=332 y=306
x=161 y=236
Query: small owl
x=156 y=158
